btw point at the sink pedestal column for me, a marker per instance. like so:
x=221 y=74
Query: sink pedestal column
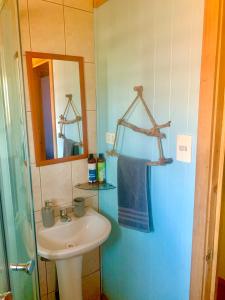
x=69 y=272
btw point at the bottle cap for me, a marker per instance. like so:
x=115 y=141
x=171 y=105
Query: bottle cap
x=101 y=155
x=91 y=156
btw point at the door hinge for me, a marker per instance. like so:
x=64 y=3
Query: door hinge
x=209 y=256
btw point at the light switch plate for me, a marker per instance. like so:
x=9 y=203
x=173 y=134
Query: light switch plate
x=184 y=147
x=110 y=138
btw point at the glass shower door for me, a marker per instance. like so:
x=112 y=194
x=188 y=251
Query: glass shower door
x=4 y=280
x=17 y=236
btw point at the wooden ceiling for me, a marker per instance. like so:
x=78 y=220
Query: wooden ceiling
x=98 y=3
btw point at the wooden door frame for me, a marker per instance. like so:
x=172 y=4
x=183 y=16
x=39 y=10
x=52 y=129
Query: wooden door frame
x=210 y=154
x=97 y=3
x=54 y=117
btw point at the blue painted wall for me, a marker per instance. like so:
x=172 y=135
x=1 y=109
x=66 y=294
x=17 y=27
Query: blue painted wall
x=156 y=44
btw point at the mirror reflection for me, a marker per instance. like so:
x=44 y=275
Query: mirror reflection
x=58 y=109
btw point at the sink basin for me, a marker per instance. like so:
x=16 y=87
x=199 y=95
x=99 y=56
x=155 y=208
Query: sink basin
x=66 y=240
x=65 y=243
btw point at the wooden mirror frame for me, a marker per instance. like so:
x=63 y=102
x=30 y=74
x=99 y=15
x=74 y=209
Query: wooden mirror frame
x=34 y=112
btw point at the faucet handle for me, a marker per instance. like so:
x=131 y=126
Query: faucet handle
x=63 y=211
x=63 y=215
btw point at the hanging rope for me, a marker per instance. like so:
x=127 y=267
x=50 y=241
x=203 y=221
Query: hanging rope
x=153 y=132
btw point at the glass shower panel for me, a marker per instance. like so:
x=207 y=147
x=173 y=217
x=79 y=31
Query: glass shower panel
x=4 y=281
x=14 y=161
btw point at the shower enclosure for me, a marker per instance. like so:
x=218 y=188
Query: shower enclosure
x=18 y=258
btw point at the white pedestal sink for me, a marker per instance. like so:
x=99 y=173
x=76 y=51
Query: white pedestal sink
x=66 y=243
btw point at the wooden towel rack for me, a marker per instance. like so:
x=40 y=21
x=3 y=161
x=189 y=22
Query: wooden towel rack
x=153 y=132
x=63 y=118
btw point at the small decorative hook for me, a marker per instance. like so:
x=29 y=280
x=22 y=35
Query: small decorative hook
x=70 y=97
x=139 y=89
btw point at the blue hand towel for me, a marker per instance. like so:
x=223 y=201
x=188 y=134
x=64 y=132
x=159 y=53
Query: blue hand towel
x=134 y=193
x=70 y=148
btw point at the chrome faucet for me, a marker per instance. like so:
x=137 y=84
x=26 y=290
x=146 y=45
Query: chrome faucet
x=64 y=216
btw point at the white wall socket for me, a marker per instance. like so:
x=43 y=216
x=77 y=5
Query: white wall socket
x=110 y=138
x=184 y=145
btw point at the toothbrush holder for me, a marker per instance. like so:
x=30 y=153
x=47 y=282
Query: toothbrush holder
x=79 y=206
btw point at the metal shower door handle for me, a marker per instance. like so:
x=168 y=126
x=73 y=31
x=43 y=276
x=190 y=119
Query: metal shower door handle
x=27 y=267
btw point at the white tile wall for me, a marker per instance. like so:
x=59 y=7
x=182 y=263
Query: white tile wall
x=36 y=185
x=79 y=171
x=24 y=25
x=27 y=99
x=37 y=216
x=83 y=193
x=91 y=126
x=56 y=183
x=93 y=202
x=50 y=26
x=30 y=137
x=90 y=86
x=46 y=27
x=79 y=33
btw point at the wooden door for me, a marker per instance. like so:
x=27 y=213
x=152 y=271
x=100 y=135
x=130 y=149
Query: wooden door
x=210 y=154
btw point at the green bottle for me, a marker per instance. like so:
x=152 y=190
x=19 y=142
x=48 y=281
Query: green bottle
x=101 y=168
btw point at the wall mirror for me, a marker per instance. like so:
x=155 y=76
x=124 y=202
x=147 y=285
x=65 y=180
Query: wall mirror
x=57 y=95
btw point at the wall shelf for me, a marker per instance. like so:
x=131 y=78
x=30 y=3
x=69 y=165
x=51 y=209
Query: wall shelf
x=95 y=186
